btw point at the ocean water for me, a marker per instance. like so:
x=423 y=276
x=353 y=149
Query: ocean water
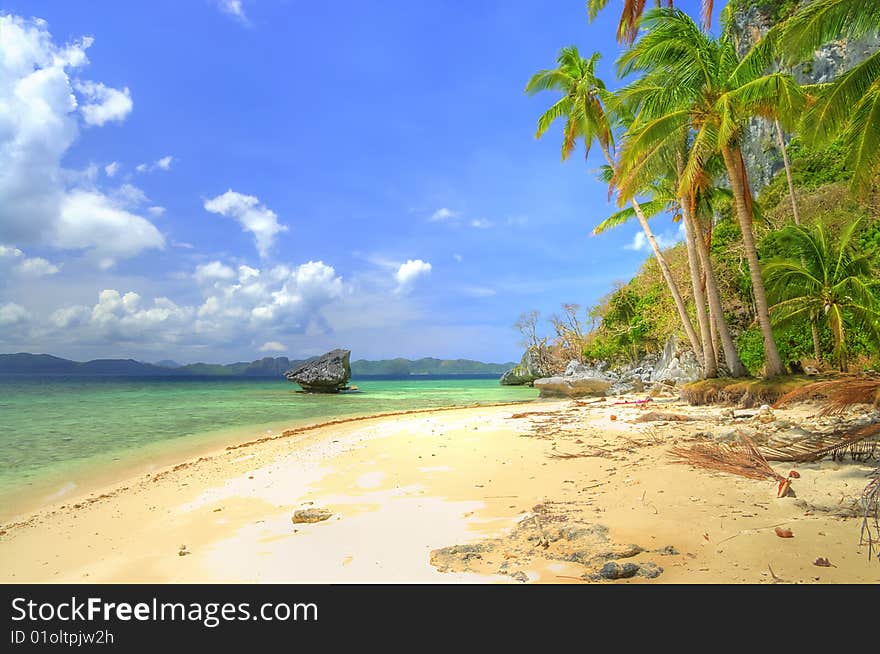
x=59 y=433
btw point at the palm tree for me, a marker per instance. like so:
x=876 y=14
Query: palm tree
x=825 y=278
x=628 y=28
x=583 y=109
x=696 y=89
x=849 y=106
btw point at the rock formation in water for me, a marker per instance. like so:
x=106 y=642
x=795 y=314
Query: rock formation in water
x=328 y=373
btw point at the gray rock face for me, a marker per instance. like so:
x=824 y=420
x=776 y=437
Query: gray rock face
x=329 y=373
x=526 y=372
x=760 y=146
x=677 y=366
x=578 y=380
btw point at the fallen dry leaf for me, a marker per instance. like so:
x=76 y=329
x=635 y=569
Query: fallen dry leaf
x=784 y=533
x=823 y=563
x=782 y=489
x=613 y=417
x=794 y=474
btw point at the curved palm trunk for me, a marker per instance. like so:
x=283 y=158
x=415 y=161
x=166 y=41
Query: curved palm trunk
x=664 y=269
x=738 y=185
x=710 y=366
x=839 y=338
x=670 y=282
x=716 y=311
x=785 y=162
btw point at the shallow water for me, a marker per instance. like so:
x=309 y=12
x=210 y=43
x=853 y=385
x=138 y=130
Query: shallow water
x=57 y=431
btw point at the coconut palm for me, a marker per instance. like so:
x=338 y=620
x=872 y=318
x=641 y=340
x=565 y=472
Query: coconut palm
x=849 y=106
x=825 y=278
x=628 y=28
x=696 y=216
x=696 y=90
x=583 y=109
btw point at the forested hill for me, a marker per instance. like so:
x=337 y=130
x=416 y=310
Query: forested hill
x=24 y=363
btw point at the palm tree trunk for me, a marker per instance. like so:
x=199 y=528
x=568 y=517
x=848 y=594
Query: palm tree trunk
x=794 y=208
x=670 y=282
x=664 y=268
x=742 y=200
x=839 y=338
x=710 y=366
x=716 y=310
x=814 y=328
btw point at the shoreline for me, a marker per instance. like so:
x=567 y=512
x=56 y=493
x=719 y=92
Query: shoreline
x=548 y=494
x=178 y=456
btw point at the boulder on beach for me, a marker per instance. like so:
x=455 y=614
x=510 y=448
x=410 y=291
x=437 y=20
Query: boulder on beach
x=329 y=373
x=578 y=380
x=677 y=366
x=528 y=370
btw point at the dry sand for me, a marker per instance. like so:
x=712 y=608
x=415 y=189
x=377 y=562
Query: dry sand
x=464 y=495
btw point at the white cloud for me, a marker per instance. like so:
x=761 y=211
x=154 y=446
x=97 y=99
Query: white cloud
x=13 y=314
x=481 y=223
x=254 y=217
x=91 y=221
x=161 y=164
x=102 y=103
x=111 y=168
x=37 y=267
x=443 y=214
x=409 y=272
x=212 y=272
x=458 y=257
x=234 y=8
x=664 y=240
x=14 y=260
x=183 y=244
x=156 y=211
x=41 y=203
x=272 y=346
x=130 y=196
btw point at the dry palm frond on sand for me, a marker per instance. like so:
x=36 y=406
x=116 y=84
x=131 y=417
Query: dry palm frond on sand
x=837 y=394
x=741 y=459
x=861 y=443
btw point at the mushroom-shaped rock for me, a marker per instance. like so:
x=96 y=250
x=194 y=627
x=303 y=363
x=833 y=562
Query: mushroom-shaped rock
x=328 y=373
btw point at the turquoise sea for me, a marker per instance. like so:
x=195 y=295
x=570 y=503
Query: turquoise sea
x=58 y=434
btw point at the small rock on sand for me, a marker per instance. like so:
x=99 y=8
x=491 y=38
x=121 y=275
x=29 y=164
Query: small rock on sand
x=311 y=515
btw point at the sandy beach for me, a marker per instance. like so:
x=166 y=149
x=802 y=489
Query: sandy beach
x=543 y=492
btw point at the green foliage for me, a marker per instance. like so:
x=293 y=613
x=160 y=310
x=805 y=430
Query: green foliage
x=811 y=168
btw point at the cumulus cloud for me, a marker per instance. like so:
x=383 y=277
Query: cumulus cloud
x=272 y=346
x=112 y=168
x=156 y=211
x=160 y=164
x=442 y=214
x=409 y=272
x=481 y=223
x=40 y=201
x=665 y=240
x=13 y=314
x=37 y=267
x=209 y=273
x=253 y=217
x=92 y=221
x=235 y=9
x=102 y=104
x=14 y=260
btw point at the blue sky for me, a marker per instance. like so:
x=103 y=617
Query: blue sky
x=217 y=180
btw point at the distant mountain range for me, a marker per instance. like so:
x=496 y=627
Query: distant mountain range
x=24 y=363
